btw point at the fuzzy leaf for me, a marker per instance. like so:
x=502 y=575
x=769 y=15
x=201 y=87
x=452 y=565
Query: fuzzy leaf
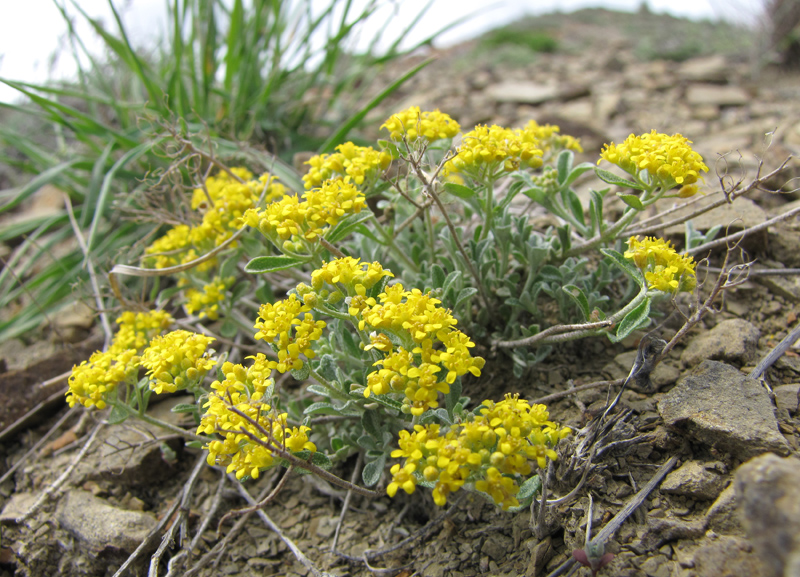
x=631 y=200
x=372 y=472
x=627 y=266
x=577 y=295
x=459 y=190
x=612 y=178
x=265 y=264
x=633 y=320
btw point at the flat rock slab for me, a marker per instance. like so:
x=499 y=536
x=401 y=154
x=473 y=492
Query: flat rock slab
x=100 y=525
x=720 y=95
x=695 y=479
x=718 y=406
x=523 y=92
x=734 y=340
x=768 y=492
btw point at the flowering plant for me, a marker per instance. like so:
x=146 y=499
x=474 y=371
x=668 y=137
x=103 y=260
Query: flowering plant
x=369 y=286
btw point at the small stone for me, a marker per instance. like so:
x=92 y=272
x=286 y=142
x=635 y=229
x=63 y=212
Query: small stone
x=718 y=406
x=100 y=525
x=786 y=397
x=725 y=555
x=703 y=94
x=497 y=546
x=522 y=92
x=694 y=479
x=723 y=515
x=706 y=69
x=733 y=340
x=768 y=492
x=17 y=506
x=656 y=566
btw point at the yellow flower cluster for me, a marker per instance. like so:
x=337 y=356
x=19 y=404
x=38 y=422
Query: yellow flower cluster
x=206 y=301
x=488 y=150
x=237 y=406
x=549 y=137
x=350 y=272
x=92 y=380
x=669 y=159
x=223 y=202
x=413 y=124
x=493 y=452
x=351 y=163
x=177 y=360
x=280 y=325
x=436 y=353
x=320 y=209
x=664 y=269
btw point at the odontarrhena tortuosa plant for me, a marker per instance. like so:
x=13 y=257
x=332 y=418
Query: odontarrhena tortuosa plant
x=372 y=283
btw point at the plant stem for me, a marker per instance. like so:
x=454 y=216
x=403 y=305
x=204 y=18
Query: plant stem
x=489 y=218
x=392 y=246
x=159 y=423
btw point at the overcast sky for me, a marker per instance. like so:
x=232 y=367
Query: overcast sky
x=31 y=31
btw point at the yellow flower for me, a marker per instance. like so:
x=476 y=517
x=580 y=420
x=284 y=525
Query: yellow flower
x=413 y=124
x=237 y=409
x=91 y=382
x=664 y=269
x=320 y=209
x=358 y=165
x=669 y=160
x=402 y=478
x=206 y=302
x=494 y=450
x=281 y=325
x=177 y=360
x=500 y=488
x=488 y=151
x=550 y=139
x=223 y=202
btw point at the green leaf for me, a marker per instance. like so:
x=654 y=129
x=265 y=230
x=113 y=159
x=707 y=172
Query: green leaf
x=351 y=348
x=464 y=295
x=631 y=200
x=459 y=190
x=565 y=237
x=633 y=320
x=302 y=373
x=372 y=472
x=321 y=409
x=529 y=488
x=229 y=329
x=372 y=423
x=596 y=211
x=437 y=276
x=452 y=398
x=536 y=194
x=337 y=444
x=321 y=460
x=574 y=205
x=117 y=416
x=626 y=265
x=195 y=444
x=265 y=264
x=612 y=178
x=577 y=295
x=318 y=390
x=576 y=172
x=347 y=225
x=564 y=165
x=184 y=408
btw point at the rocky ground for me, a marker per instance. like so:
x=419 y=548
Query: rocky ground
x=722 y=445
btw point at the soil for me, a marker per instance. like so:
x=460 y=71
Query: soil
x=130 y=479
